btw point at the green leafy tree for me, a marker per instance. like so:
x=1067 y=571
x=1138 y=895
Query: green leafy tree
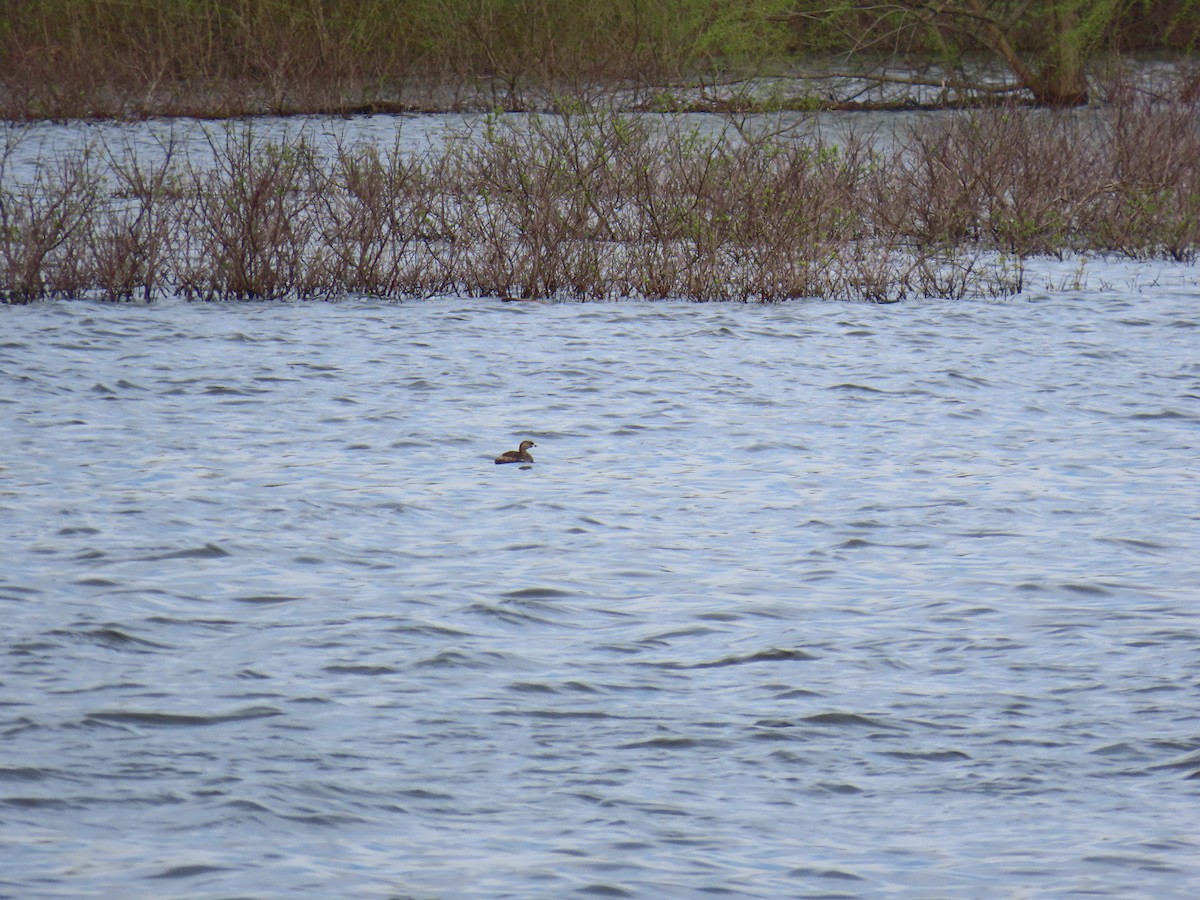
x=1044 y=44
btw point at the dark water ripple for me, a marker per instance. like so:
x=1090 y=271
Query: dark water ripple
x=811 y=600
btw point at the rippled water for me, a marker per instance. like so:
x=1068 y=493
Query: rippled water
x=815 y=599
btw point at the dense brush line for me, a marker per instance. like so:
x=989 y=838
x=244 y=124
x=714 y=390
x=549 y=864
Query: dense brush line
x=76 y=58
x=600 y=205
x=121 y=58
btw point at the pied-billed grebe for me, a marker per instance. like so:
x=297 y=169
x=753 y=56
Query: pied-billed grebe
x=521 y=455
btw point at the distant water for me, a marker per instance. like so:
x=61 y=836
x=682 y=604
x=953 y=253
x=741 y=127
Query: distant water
x=815 y=599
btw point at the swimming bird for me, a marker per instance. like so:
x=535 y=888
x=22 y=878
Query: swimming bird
x=522 y=455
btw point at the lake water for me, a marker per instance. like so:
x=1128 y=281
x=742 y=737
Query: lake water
x=816 y=599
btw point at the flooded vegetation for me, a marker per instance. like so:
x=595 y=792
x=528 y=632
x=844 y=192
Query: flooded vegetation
x=601 y=194
x=602 y=205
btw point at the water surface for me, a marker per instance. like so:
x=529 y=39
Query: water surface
x=814 y=599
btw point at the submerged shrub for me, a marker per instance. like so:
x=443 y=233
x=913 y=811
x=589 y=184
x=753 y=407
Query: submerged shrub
x=45 y=224
x=598 y=205
x=246 y=225
x=1035 y=182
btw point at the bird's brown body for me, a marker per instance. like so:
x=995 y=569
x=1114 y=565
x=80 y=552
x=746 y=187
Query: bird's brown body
x=517 y=456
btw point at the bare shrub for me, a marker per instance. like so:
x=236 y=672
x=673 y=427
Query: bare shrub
x=377 y=218
x=608 y=205
x=247 y=226
x=593 y=204
x=994 y=178
x=1039 y=182
x=44 y=224
x=536 y=198
x=132 y=240
x=1152 y=168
